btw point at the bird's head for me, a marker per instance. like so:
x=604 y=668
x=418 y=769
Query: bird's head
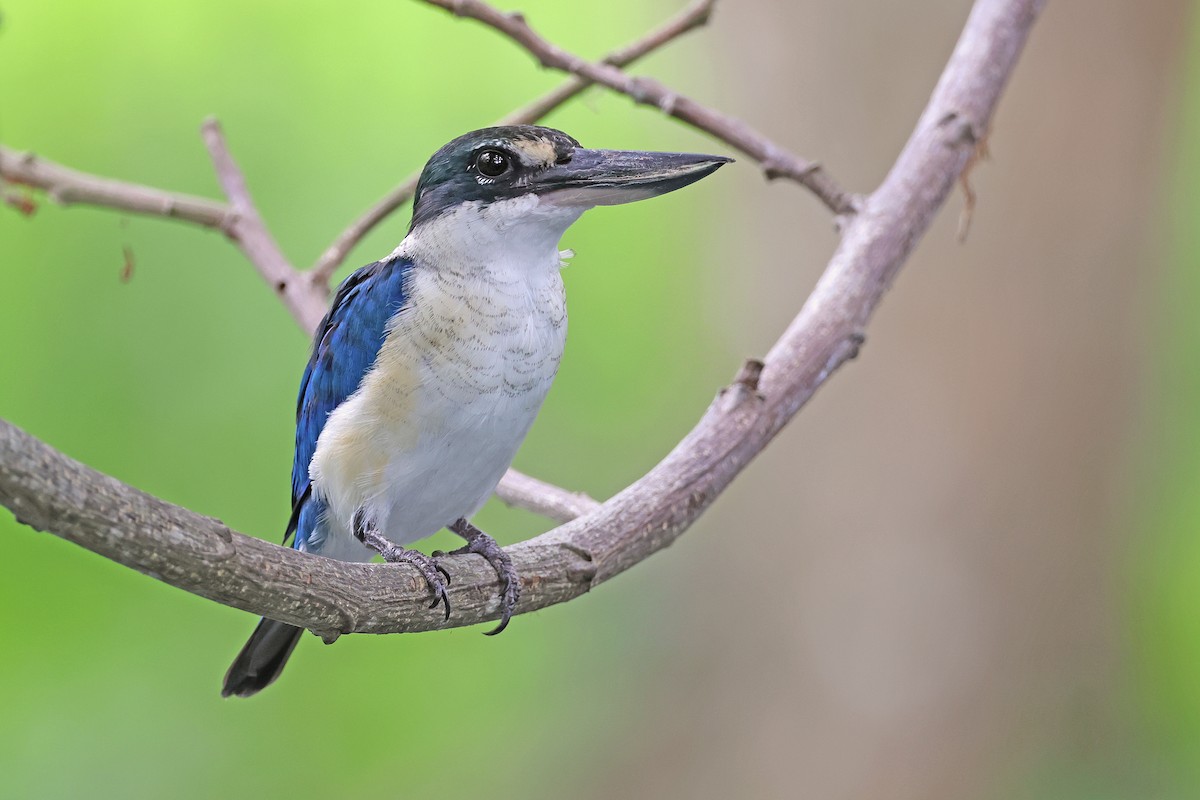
x=527 y=176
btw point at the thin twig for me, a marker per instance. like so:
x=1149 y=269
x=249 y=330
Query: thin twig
x=67 y=186
x=691 y=17
x=248 y=231
x=545 y=499
x=51 y=492
x=776 y=160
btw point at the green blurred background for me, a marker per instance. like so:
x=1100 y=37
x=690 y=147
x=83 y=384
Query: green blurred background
x=970 y=569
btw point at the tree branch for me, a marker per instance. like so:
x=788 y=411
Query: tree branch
x=546 y=499
x=67 y=186
x=239 y=220
x=248 y=231
x=691 y=17
x=776 y=160
x=51 y=492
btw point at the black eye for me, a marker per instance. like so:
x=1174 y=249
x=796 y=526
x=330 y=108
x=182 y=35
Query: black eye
x=492 y=163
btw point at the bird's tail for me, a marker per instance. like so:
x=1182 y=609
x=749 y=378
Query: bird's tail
x=262 y=659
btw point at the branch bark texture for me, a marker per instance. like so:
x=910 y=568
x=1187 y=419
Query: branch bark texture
x=51 y=492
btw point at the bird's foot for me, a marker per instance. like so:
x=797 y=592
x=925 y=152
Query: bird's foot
x=437 y=577
x=481 y=544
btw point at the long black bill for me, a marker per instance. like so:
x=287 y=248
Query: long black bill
x=611 y=177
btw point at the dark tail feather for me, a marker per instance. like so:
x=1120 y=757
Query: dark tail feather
x=262 y=659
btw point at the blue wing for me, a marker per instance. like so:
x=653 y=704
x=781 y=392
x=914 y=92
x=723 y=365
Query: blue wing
x=344 y=349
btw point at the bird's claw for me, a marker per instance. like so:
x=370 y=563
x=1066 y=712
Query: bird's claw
x=481 y=544
x=395 y=554
x=429 y=570
x=508 y=600
x=440 y=596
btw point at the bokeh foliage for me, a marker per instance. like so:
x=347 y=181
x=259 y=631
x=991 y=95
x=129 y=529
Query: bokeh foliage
x=181 y=382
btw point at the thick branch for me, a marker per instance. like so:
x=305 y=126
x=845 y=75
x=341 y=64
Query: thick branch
x=51 y=492
x=691 y=17
x=776 y=160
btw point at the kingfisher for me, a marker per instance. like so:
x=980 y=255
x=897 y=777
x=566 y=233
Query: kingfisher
x=431 y=364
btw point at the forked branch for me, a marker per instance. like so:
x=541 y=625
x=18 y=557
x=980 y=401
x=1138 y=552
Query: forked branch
x=51 y=492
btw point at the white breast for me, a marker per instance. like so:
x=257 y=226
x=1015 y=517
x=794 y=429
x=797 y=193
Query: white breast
x=455 y=388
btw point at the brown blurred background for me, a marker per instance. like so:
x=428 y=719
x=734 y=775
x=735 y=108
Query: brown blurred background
x=911 y=594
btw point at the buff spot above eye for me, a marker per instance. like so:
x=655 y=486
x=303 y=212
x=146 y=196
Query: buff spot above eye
x=538 y=153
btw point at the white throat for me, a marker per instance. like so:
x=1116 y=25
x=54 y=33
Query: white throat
x=513 y=235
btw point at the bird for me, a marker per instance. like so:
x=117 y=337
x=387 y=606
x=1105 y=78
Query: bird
x=431 y=364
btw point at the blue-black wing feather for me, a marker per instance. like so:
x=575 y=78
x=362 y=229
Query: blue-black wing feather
x=344 y=350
